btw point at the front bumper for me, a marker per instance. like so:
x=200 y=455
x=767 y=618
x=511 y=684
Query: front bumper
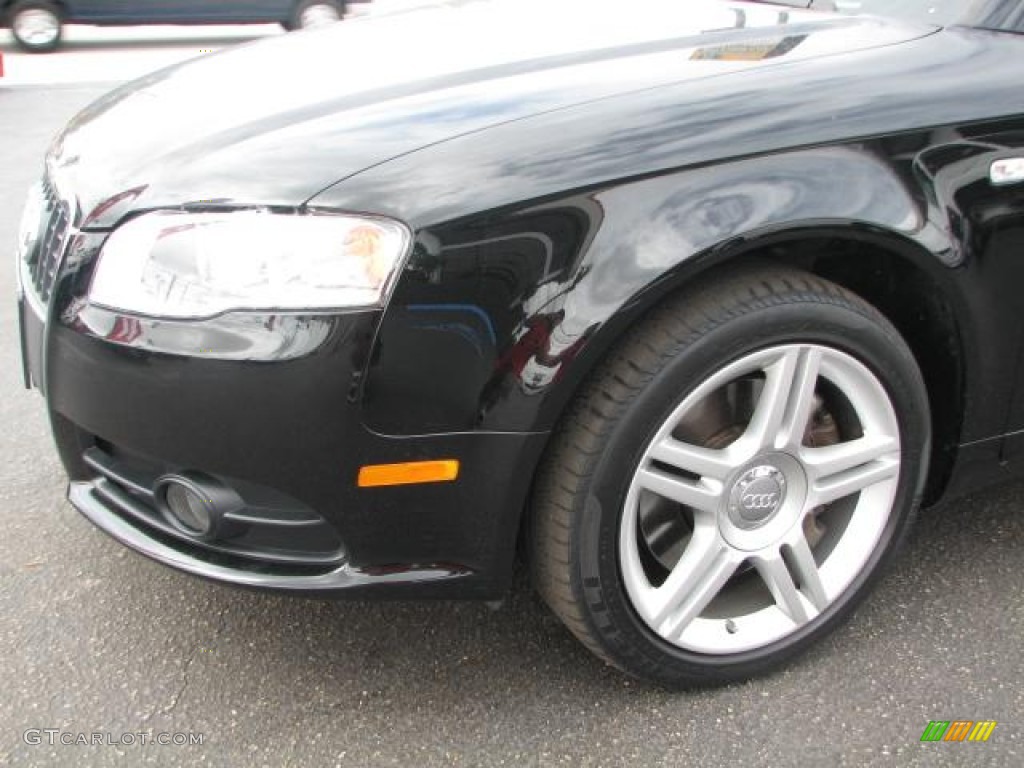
x=285 y=430
x=86 y=498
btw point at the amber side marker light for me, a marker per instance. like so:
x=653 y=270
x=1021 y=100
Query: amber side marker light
x=408 y=473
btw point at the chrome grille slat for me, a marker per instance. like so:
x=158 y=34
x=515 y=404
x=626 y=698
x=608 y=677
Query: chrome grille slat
x=44 y=260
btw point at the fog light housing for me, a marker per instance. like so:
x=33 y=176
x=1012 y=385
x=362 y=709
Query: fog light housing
x=195 y=504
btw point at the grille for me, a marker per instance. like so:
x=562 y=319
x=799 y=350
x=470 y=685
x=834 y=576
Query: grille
x=43 y=260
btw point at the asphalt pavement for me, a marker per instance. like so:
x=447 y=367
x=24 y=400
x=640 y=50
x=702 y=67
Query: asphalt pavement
x=96 y=639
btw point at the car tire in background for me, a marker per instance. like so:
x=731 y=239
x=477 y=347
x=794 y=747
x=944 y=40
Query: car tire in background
x=732 y=480
x=36 y=25
x=309 y=14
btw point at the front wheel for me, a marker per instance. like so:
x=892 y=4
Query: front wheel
x=309 y=14
x=732 y=481
x=36 y=25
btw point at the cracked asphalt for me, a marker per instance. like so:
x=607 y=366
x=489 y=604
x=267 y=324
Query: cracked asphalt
x=97 y=639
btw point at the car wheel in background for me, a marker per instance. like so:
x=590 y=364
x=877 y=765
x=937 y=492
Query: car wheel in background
x=36 y=25
x=733 y=479
x=309 y=14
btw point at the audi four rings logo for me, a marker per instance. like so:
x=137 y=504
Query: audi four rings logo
x=759 y=500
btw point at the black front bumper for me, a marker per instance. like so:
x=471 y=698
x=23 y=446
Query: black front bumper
x=286 y=429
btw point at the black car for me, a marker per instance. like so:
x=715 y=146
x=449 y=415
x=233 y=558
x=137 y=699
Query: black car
x=691 y=308
x=37 y=24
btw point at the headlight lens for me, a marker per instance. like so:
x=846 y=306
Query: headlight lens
x=195 y=265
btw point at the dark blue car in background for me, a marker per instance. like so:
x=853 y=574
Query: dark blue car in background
x=36 y=24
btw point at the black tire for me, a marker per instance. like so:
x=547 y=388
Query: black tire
x=25 y=9
x=295 y=21
x=574 y=537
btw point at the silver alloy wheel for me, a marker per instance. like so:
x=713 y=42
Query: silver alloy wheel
x=776 y=529
x=318 y=15
x=36 y=27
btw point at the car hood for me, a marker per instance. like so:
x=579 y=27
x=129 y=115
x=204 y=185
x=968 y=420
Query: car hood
x=275 y=122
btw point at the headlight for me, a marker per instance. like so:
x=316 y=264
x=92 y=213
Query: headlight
x=195 y=265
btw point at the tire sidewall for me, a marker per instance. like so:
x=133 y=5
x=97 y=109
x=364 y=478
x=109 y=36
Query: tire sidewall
x=596 y=557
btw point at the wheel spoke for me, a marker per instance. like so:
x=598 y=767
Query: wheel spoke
x=831 y=460
x=702 y=494
x=696 y=460
x=705 y=567
x=784 y=406
x=802 y=564
x=784 y=589
x=829 y=487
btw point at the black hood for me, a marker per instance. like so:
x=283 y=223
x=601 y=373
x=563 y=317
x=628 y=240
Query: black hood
x=276 y=122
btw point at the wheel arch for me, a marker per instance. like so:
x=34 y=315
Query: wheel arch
x=7 y=5
x=896 y=275
x=907 y=285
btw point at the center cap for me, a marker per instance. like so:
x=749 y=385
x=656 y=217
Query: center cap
x=756 y=496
